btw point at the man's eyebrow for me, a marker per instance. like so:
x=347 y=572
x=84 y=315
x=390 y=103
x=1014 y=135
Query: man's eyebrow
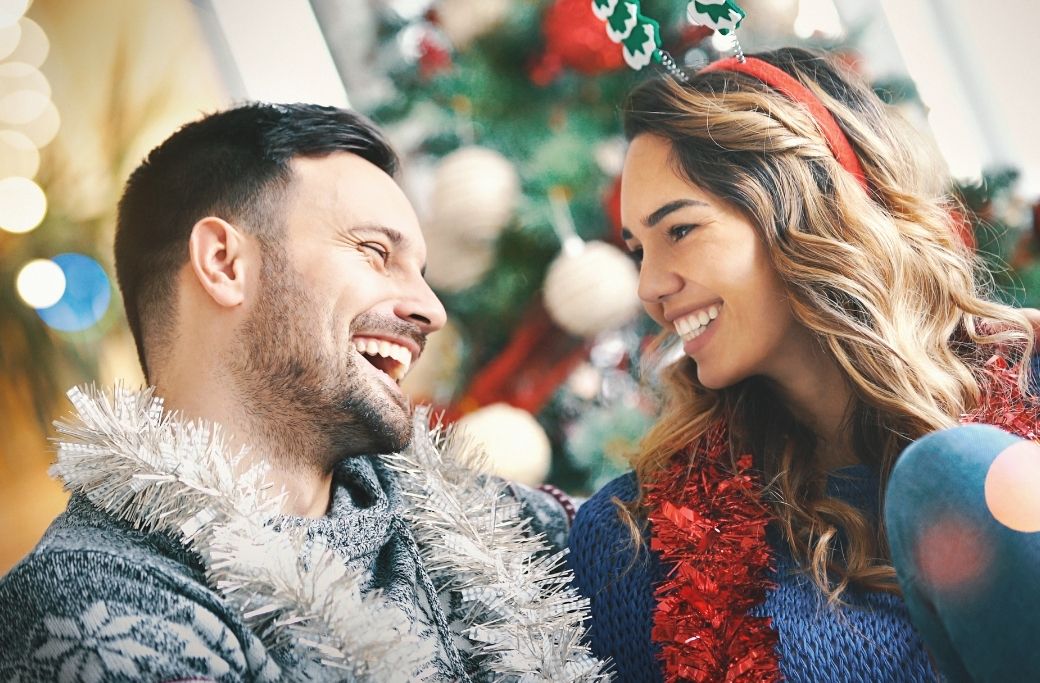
x=659 y=215
x=395 y=236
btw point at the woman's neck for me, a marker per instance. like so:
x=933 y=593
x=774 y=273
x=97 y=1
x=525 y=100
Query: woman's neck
x=817 y=393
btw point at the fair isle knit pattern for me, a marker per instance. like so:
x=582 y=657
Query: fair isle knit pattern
x=870 y=640
x=167 y=567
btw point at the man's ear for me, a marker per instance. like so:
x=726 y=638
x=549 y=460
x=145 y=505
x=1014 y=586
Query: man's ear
x=220 y=260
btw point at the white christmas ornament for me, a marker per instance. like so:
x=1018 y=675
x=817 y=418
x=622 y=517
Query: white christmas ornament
x=463 y=21
x=516 y=445
x=453 y=265
x=475 y=193
x=591 y=289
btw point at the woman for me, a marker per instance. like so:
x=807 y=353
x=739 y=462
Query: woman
x=795 y=237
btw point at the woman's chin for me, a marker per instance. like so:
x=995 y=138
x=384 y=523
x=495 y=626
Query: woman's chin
x=715 y=379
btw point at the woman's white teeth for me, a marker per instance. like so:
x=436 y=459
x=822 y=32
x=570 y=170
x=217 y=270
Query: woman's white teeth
x=387 y=349
x=694 y=324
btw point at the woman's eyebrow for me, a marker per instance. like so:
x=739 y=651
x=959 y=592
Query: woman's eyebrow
x=665 y=209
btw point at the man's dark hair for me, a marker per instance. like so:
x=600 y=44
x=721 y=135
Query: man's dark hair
x=234 y=165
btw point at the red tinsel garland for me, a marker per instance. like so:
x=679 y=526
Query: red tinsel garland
x=714 y=540
x=709 y=526
x=1003 y=404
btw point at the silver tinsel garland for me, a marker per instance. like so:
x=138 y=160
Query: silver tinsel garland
x=522 y=617
x=160 y=472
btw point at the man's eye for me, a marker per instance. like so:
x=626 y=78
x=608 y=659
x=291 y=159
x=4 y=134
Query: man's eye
x=377 y=249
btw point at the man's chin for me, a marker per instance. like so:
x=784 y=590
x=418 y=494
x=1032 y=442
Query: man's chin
x=383 y=426
x=398 y=426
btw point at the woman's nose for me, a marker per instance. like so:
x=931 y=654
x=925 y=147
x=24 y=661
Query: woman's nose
x=657 y=281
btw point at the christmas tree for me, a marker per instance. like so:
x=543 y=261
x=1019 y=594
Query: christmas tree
x=507 y=114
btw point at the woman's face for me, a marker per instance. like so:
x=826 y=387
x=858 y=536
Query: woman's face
x=705 y=273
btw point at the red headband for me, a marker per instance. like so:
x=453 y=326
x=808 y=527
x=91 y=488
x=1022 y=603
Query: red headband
x=785 y=83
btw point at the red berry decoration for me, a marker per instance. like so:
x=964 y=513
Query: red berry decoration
x=574 y=39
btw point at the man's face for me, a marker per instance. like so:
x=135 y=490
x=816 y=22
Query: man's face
x=342 y=314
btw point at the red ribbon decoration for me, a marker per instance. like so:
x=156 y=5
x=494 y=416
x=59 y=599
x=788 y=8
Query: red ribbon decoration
x=538 y=358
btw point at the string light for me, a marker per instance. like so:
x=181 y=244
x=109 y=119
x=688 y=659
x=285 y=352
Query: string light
x=22 y=205
x=15 y=76
x=40 y=283
x=18 y=155
x=33 y=45
x=23 y=107
x=87 y=294
x=43 y=128
x=9 y=37
x=11 y=11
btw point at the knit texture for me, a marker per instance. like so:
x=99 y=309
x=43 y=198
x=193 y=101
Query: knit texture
x=870 y=640
x=98 y=600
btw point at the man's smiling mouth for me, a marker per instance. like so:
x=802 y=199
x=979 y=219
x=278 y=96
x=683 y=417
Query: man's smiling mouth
x=393 y=359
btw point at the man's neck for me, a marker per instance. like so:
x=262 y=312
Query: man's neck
x=308 y=494
x=289 y=454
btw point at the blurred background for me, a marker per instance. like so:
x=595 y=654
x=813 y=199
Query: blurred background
x=505 y=112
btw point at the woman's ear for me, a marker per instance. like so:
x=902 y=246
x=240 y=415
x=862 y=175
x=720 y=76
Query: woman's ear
x=220 y=259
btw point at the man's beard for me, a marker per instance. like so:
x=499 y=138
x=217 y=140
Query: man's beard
x=318 y=402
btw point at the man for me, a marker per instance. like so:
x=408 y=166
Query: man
x=272 y=275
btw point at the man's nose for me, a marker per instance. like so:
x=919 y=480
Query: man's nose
x=423 y=308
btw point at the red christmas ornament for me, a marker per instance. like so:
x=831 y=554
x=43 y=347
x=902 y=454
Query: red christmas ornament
x=434 y=57
x=574 y=39
x=692 y=35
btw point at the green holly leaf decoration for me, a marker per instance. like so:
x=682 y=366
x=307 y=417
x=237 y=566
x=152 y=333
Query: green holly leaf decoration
x=722 y=15
x=640 y=37
x=621 y=22
x=603 y=8
x=641 y=46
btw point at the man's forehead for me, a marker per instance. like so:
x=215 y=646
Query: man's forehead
x=339 y=169
x=346 y=189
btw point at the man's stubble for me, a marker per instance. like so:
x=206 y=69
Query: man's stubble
x=315 y=401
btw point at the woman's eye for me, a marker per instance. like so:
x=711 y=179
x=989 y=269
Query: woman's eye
x=636 y=255
x=677 y=232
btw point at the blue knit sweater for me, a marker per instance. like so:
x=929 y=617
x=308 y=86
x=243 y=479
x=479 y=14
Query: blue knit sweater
x=870 y=640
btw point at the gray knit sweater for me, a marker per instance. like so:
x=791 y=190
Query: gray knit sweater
x=97 y=600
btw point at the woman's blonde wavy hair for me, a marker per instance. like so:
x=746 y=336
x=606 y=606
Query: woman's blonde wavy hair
x=882 y=279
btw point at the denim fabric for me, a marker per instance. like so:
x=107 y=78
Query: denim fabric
x=972 y=585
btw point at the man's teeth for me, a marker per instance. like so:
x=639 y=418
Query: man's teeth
x=693 y=325
x=387 y=349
